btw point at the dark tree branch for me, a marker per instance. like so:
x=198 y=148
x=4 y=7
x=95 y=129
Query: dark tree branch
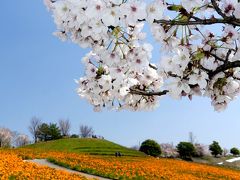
x=226 y=66
x=144 y=93
x=216 y=57
x=199 y=22
x=152 y=66
x=228 y=54
x=218 y=10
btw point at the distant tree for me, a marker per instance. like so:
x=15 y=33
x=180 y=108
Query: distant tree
x=168 y=150
x=15 y=135
x=43 y=132
x=225 y=152
x=64 y=125
x=215 y=149
x=6 y=136
x=86 y=131
x=74 y=136
x=54 y=131
x=33 y=127
x=150 y=147
x=186 y=150
x=235 y=151
x=200 y=150
x=22 y=140
x=48 y=132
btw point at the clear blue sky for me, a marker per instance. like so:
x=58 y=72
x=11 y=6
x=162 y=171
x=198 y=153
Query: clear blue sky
x=37 y=73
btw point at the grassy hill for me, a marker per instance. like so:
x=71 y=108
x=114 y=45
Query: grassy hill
x=87 y=146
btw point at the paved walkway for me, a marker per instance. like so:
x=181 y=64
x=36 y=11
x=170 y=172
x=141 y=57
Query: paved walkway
x=230 y=160
x=44 y=162
x=233 y=160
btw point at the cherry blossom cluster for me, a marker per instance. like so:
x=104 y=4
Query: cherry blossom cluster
x=110 y=78
x=199 y=50
x=5 y=137
x=193 y=55
x=22 y=140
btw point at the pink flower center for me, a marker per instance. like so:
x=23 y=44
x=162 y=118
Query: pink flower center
x=230 y=34
x=98 y=7
x=112 y=56
x=138 y=61
x=92 y=70
x=134 y=9
x=229 y=8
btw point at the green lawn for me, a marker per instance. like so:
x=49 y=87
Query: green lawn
x=87 y=146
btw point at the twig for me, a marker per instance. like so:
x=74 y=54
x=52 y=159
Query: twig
x=145 y=93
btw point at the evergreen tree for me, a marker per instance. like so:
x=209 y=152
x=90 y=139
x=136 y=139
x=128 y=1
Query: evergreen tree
x=215 y=149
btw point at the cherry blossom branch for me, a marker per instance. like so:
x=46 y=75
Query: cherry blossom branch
x=216 y=57
x=211 y=21
x=186 y=68
x=144 y=93
x=152 y=66
x=224 y=67
x=218 y=10
x=197 y=21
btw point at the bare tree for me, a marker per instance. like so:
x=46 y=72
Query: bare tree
x=15 y=135
x=64 y=125
x=5 y=137
x=225 y=152
x=33 y=127
x=86 y=131
x=22 y=140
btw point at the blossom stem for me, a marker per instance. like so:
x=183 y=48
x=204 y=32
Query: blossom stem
x=144 y=93
x=199 y=22
x=224 y=67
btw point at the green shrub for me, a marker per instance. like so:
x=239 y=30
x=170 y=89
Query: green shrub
x=150 y=147
x=215 y=149
x=74 y=136
x=235 y=151
x=186 y=150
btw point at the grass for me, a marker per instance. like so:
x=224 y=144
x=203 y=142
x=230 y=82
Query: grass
x=86 y=146
x=233 y=165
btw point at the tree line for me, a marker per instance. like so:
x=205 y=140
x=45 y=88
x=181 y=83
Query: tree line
x=42 y=131
x=185 y=150
x=10 y=138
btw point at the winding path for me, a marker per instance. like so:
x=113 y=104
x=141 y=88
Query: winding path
x=44 y=162
x=230 y=160
x=233 y=160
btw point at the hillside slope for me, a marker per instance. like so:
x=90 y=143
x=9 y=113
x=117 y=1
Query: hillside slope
x=87 y=146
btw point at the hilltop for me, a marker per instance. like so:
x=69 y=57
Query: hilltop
x=86 y=146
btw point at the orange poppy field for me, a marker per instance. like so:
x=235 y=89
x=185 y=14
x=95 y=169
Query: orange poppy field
x=12 y=166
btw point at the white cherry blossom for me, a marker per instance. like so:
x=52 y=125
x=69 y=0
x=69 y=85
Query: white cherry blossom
x=118 y=70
